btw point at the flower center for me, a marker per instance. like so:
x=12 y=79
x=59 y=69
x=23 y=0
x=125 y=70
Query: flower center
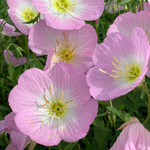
x=64 y=6
x=64 y=53
x=57 y=107
x=29 y=14
x=128 y=72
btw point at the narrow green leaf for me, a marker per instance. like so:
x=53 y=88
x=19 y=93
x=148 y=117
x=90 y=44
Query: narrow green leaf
x=70 y=146
x=122 y=114
x=124 y=2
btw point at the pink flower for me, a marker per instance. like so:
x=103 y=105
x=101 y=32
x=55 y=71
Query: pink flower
x=133 y=137
x=55 y=107
x=69 y=14
x=112 y=6
x=146 y=7
x=8 y=29
x=20 y=12
x=149 y=2
x=126 y=22
x=74 y=46
x=15 y=62
x=120 y=64
x=19 y=140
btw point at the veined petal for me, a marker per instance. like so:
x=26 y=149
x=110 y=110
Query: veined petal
x=120 y=64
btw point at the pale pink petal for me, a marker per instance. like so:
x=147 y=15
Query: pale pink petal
x=74 y=19
x=24 y=28
x=13 y=59
x=8 y=29
x=124 y=23
x=11 y=146
x=133 y=137
x=3 y=127
x=124 y=49
x=88 y=9
x=67 y=78
x=19 y=139
x=10 y=123
x=78 y=128
x=62 y=22
x=30 y=89
x=32 y=126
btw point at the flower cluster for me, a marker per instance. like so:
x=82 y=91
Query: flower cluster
x=60 y=101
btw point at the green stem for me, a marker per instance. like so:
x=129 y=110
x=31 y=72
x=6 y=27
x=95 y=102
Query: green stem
x=144 y=87
x=59 y=146
x=100 y=115
x=26 y=43
x=10 y=61
x=32 y=145
x=141 y=5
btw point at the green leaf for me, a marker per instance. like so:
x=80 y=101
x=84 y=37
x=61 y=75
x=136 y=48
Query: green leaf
x=123 y=115
x=99 y=123
x=124 y=2
x=70 y=146
x=100 y=136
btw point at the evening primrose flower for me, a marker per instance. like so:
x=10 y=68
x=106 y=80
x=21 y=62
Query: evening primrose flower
x=21 y=12
x=69 y=14
x=18 y=140
x=74 y=46
x=55 y=107
x=133 y=137
x=126 y=22
x=14 y=61
x=120 y=64
x=8 y=29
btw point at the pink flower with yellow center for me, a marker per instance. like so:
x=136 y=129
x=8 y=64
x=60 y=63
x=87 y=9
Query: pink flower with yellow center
x=74 y=46
x=55 y=107
x=21 y=12
x=69 y=14
x=126 y=22
x=120 y=64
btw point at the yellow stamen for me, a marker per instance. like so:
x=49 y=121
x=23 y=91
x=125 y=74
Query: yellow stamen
x=62 y=94
x=45 y=103
x=102 y=71
x=68 y=102
x=117 y=72
x=115 y=77
x=71 y=43
x=50 y=91
x=58 y=43
x=65 y=38
x=74 y=48
x=126 y=68
x=116 y=67
x=117 y=60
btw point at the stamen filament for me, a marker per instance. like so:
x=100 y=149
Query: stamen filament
x=58 y=43
x=126 y=68
x=62 y=94
x=117 y=72
x=68 y=102
x=116 y=67
x=71 y=43
x=117 y=60
x=50 y=91
x=74 y=48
